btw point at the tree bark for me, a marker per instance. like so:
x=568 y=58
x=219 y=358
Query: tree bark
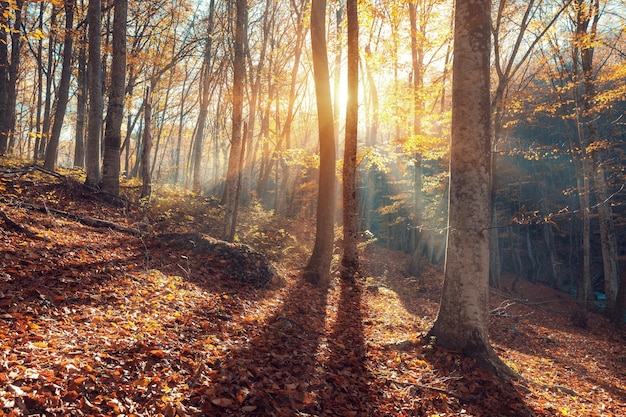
x=63 y=90
x=81 y=105
x=506 y=66
x=4 y=73
x=239 y=74
x=417 y=58
x=586 y=32
x=205 y=85
x=350 y=259
x=9 y=87
x=39 y=58
x=318 y=268
x=113 y=131
x=463 y=316
x=94 y=82
x=146 y=187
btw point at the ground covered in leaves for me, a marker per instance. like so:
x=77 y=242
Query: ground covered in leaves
x=102 y=320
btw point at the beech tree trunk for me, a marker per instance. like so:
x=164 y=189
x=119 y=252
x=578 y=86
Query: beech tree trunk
x=94 y=82
x=417 y=57
x=63 y=90
x=350 y=259
x=205 y=83
x=8 y=86
x=588 y=16
x=81 y=105
x=115 y=113
x=461 y=323
x=236 y=148
x=318 y=268
x=146 y=180
x=4 y=73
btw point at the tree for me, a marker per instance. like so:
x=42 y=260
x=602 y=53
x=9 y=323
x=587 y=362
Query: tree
x=587 y=14
x=81 y=102
x=94 y=82
x=146 y=178
x=113 y=130
x=350 y=259
x=205 y=90
x=463 y=315
x=317 y=269
x=63 y=90
x=236 y=146
x=418 y=37
x=507 y=63
x=9 y=71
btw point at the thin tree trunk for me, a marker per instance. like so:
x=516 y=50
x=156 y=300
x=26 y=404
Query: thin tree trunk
x=205 y=83
x=417 y=57
x=181 y=121
x=4 y=74
x=38 y=132
x=617 y=314
x=7 y=121
x=239 y=74
x=608 y=240
x=146 y=187
x=81 y=105
x=63 y=90
x=337 y=69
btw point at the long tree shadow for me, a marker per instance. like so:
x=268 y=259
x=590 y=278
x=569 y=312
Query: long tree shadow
x=276 y=373
x=464 y=388
x=349 y=383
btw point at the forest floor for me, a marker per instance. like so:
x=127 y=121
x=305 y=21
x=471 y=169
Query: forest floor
x=98 y=321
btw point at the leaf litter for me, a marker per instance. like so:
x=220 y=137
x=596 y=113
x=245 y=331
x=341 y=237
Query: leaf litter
x=97 y=322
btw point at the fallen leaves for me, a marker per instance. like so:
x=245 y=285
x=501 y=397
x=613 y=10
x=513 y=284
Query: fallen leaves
x=96 y=322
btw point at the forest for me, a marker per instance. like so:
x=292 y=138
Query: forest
x=312 y=208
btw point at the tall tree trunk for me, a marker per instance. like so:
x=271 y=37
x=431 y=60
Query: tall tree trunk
x=113 y=131
x=608 y=240
x=181 y=122
x=374 y=117
x=548 y=238
x=81 y=105
x=337 y=69
x=146 y=187
x=318 y=267
x=239 y=74
x=463 y=316
x=50 y=71
x=63 y=90
x=507 y=62
x=617 y=314
x=39 y=57
x=586 y=32
x=94 y=82
x=4 y=74
x=417 y=57
x=205 y=83
x=7 y=108
x=350 y=259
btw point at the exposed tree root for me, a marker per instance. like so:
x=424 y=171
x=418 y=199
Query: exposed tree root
x=88 y=221
x=12 y=225
x=462 y=398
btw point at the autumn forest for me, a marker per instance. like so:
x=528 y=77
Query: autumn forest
x=312 y=208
